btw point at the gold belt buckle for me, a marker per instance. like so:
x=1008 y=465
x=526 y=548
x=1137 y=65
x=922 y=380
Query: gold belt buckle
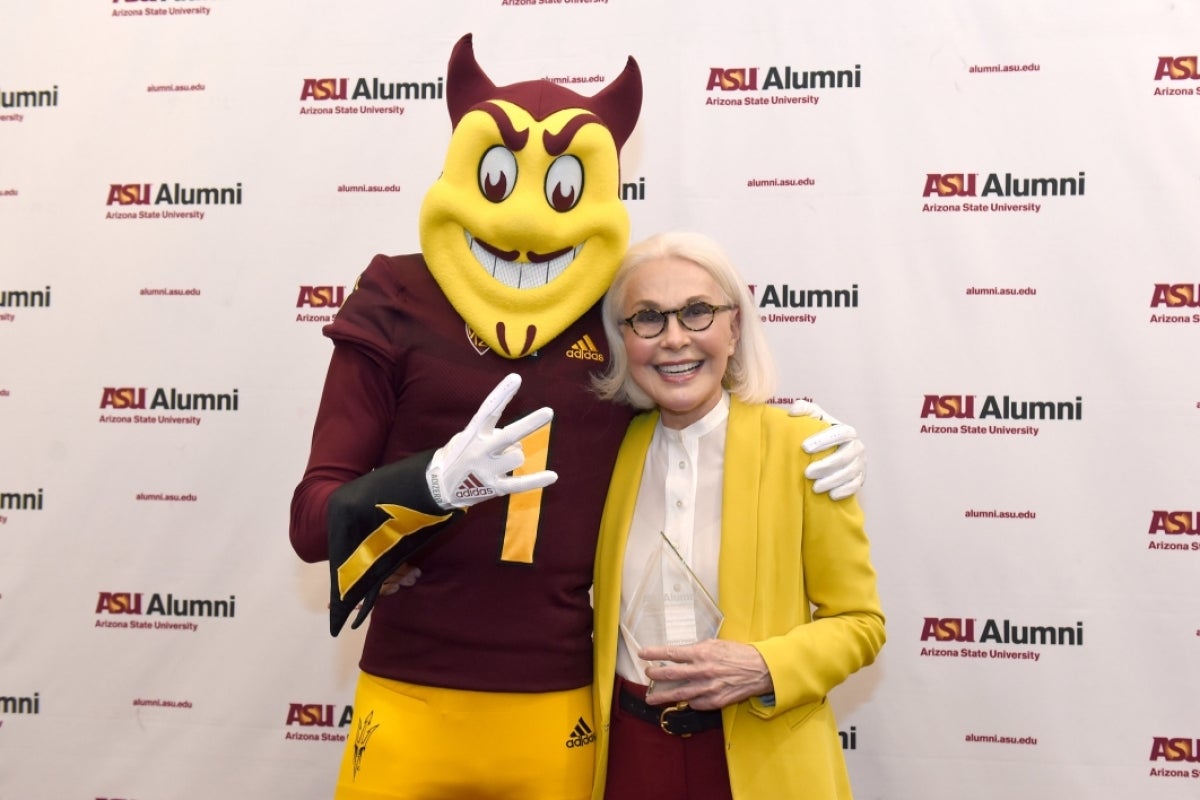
x=662 y=719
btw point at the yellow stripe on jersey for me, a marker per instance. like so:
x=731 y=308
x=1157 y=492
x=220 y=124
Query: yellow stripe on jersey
x=525 y=508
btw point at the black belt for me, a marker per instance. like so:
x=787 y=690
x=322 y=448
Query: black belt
x=677 y=720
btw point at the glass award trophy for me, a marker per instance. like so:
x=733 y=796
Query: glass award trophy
x=669 y=605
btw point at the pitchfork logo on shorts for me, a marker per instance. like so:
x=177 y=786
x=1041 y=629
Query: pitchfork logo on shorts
x=362 y=737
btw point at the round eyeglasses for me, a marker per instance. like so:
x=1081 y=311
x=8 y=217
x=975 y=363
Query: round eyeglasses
x=695 y=317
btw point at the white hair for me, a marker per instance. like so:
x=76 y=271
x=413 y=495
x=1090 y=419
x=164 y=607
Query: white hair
x=750 y=373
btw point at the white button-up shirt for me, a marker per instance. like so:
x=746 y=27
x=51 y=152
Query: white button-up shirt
x=680 y=498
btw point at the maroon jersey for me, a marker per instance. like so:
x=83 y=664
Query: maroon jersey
x=405 y=376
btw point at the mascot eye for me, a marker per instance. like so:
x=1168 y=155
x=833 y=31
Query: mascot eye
x=497 y=173
x=564 y=183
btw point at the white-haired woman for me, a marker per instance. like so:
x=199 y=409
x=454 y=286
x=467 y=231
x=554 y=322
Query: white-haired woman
x=720 y=475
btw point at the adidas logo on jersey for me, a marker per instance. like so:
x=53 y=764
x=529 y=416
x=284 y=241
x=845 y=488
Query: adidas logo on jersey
x=472 y=487
x=586 y=349
x=582 y=735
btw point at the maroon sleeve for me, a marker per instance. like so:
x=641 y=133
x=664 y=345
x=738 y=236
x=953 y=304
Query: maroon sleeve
x=348 y=439
x=357 y=409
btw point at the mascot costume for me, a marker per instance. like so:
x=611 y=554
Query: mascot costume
x=475 y=680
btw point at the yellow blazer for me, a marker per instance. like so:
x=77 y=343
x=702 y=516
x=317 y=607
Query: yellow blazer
x=795 y=581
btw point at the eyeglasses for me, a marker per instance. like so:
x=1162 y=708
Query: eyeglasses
x=695 y=317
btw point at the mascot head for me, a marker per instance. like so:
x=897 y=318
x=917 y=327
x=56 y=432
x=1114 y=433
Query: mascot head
x=525 y=227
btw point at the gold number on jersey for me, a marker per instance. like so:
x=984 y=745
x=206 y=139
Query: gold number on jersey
x=525 y=509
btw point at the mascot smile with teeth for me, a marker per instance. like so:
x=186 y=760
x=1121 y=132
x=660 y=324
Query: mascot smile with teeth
x=475 y=680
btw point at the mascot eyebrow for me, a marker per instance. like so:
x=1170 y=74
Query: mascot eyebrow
x=513 y=139
x=555 y=143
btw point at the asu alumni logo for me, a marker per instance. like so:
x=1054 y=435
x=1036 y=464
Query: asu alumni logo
x=1172 y=757
x=748 y=82
x=170 y=399
x=946 y=408
x=350 y=96
x=132 y=609
x=124 y=200
x=943 y=634
x=310 y=717
x=944 y=190
x=1174 y=530
x=1176 y=749
x=1181 y=71
x=1174 y=298
x=320 y=299
x=139 y=398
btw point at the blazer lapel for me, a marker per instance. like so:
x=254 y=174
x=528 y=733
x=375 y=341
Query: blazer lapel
x=737 y=565
x=610 y=552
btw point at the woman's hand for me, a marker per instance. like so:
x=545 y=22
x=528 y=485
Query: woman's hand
x=718 y=673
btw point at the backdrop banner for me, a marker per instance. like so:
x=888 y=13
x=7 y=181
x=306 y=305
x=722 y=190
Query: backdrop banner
x=971 y=230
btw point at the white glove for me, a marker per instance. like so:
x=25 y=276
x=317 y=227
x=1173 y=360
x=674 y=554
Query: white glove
x=475 y=464
x=842 y=472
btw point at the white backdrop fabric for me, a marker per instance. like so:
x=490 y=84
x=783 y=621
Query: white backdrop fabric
x=972 y=229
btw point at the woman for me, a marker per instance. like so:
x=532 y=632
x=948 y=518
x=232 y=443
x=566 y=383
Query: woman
x=715 y=471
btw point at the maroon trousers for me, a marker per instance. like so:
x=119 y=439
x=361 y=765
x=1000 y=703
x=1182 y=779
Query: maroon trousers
x=646 y=762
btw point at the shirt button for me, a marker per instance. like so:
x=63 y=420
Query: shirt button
x=683 y=465
x=679 y=504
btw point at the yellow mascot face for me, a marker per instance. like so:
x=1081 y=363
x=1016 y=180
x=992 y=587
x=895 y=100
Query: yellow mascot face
x=525 y=228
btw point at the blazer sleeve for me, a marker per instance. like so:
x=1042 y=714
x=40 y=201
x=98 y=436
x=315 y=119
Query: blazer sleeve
x=839 y=620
